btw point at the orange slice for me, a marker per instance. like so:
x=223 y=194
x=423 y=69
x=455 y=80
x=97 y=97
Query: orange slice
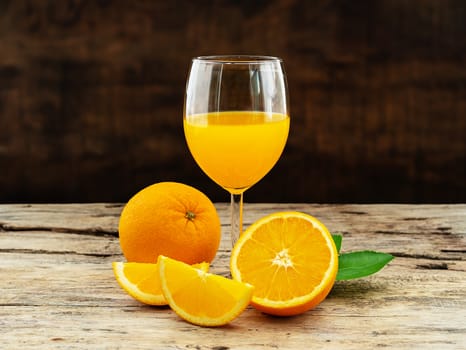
x=142 y=282
x=199 y=297
x=290 y=259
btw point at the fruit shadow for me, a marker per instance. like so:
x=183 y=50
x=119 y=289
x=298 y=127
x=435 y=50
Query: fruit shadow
x=357 y=288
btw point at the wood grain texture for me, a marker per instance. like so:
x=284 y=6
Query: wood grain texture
x=91 y=96
x=58 y=291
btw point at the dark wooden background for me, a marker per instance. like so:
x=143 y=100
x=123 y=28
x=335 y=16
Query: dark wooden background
x=91 y=96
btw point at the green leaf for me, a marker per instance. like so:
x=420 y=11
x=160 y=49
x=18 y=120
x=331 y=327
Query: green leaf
x=361 y=264
x=337 y=239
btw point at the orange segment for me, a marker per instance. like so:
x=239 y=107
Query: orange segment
x=142 y=281
x=290 y=259
x=199 y=297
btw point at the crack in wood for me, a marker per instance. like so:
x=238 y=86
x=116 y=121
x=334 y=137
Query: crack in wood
x=442 y=231
x=56 y=252
x=87 y=231
x=424 y=256
x=440 y=266
x=353 y=212
x=114 y=205
x=18 y=304
x=453 y=251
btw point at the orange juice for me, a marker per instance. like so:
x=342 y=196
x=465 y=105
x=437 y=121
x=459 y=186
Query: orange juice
x=236 y=148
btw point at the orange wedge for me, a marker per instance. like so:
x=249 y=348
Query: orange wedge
x=142 y=282
x=199 y=297
x=290 y=259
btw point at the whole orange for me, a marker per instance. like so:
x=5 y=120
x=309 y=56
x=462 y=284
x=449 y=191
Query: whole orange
x=171 y=219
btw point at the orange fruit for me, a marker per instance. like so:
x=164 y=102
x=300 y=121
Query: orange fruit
x=290 y=259
x=172 y=219
x=142 y=281
x=199 y=297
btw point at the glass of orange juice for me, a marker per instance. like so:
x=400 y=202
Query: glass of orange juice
x=236 y=121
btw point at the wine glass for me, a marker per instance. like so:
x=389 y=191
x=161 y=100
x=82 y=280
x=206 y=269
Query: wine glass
x=236 y=121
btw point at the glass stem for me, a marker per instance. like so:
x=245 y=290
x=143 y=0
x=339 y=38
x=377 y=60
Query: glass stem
x=236 y=217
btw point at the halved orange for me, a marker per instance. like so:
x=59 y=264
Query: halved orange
x=142 y=281
x=199 y=297
x=290 y=259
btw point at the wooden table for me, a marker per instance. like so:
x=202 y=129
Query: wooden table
x=57 y=289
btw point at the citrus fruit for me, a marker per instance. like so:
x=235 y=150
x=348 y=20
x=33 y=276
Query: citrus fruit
x=172 y=219
x=142 y=281
x=290 y=259
x=199 y=297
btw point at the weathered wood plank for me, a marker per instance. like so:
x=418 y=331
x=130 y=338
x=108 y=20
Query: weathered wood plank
x=397 y=308
x=103 y=217
x=392 y=225
x=58 y=290
x=97 y=312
